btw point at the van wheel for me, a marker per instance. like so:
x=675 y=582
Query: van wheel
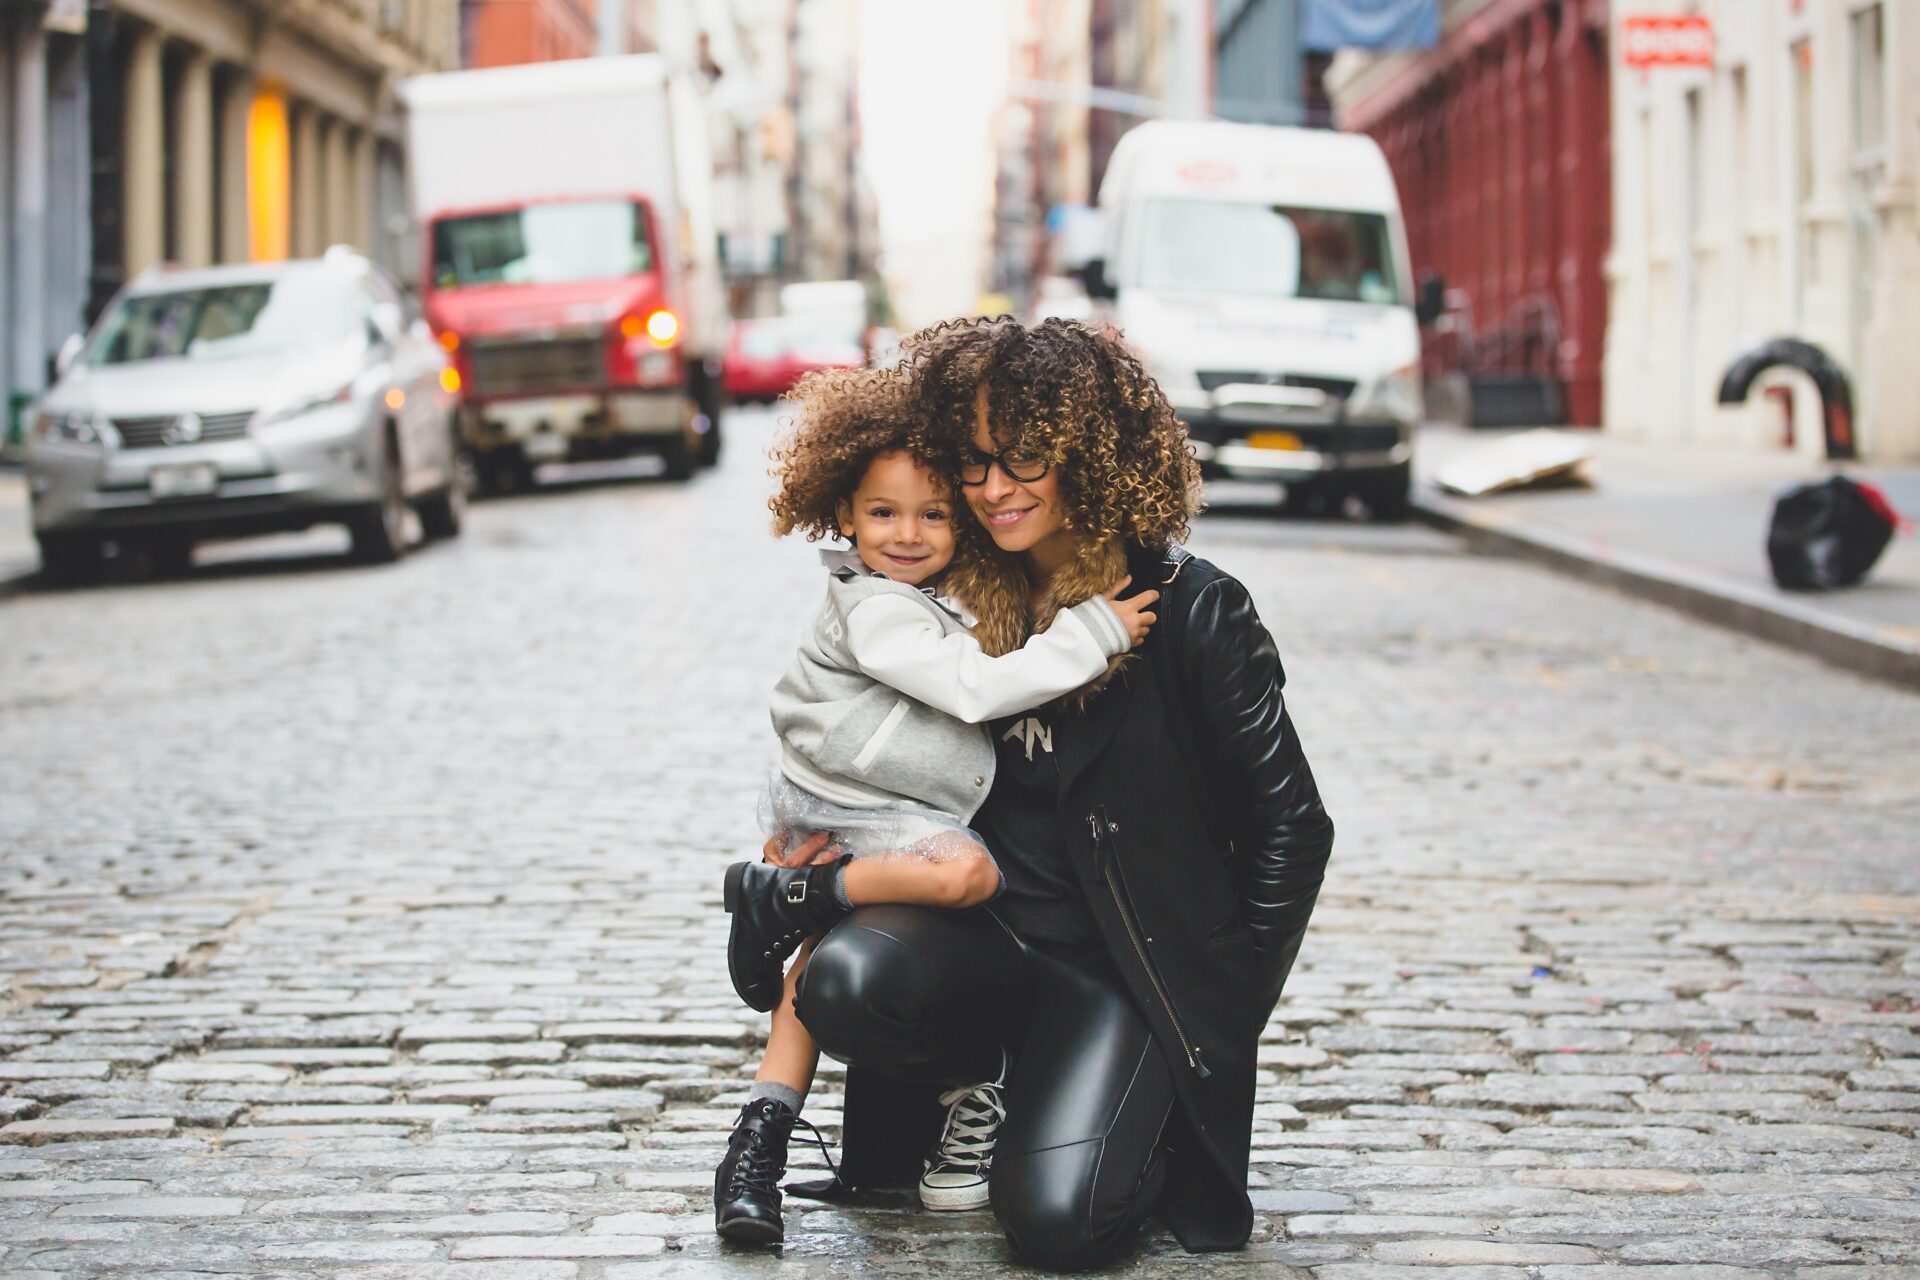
x=69 y=559
x=1388 y=494
x=169 y=556
x=710 y=444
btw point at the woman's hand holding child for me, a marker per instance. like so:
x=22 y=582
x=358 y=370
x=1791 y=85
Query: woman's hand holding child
x=804 y=854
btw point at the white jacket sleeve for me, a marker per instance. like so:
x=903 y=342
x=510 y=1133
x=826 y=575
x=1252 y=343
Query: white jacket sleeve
x=895 y=641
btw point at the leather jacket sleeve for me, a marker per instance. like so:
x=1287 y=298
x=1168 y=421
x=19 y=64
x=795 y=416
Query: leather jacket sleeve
x=1282 y=835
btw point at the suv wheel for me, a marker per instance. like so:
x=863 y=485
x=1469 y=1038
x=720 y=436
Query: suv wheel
x=380 y=530
x=442 y=511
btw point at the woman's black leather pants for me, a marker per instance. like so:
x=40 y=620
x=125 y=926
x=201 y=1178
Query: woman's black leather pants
x=932 y=995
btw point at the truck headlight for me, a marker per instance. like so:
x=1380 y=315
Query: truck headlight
x=83 y=427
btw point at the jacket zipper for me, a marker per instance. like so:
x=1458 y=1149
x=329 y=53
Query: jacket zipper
x=1100 y=828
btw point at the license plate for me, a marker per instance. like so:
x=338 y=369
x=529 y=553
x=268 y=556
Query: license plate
x=545 y=447
x=1274 y=440
x=190 y=480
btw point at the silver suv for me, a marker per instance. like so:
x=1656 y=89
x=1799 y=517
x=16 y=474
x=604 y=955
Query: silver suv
x=245 y=399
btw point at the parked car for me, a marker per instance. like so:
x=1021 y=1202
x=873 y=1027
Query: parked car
x=245 y=399
x=765 y=357
x=759 y=364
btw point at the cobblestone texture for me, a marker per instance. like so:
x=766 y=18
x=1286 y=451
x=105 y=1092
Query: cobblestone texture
x=364 y=923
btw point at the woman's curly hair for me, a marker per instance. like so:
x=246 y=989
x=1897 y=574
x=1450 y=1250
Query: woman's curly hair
x=1078 y=396
x=843 y=420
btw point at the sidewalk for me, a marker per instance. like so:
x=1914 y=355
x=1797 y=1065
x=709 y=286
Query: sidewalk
x=1688 y=527
x=19 y=554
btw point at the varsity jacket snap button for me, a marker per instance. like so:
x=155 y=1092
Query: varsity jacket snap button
x=980 y=781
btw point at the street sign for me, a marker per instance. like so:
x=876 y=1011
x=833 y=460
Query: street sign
x=1647 y=41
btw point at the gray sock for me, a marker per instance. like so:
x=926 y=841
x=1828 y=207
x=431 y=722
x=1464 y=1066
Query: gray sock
x=778 y=1092
x=840 y=885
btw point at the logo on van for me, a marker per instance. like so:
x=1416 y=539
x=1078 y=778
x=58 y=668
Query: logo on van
x=1208 y=171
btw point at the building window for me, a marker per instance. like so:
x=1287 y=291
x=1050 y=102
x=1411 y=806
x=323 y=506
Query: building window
x=1869 y=77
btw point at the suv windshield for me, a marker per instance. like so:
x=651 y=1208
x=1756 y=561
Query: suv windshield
x=1280 y=251
x=543 y=244
x=303 y=308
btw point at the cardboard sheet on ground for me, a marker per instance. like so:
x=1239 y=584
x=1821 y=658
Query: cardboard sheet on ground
x=1532 y=459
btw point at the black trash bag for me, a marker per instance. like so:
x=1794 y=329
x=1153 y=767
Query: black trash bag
x=1828 y=534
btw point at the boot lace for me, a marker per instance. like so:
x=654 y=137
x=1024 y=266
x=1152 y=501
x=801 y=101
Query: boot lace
x=974 y=1113
x=758 y=1170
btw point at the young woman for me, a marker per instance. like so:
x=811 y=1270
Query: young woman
x=1159 y=834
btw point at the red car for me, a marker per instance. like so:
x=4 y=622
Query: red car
x=765 y=357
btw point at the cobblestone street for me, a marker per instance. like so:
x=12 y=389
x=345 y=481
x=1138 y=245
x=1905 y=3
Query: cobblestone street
x=365 y=922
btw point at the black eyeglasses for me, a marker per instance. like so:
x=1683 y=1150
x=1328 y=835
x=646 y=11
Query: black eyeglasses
x=1022 y=463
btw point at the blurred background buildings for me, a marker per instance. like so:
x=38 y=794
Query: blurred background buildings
x=1609 y=236
x=1775 y=191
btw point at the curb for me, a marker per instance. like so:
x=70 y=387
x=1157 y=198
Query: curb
x=1863 y=650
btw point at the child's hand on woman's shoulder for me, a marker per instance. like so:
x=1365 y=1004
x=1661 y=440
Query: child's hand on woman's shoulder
x=1133 y=611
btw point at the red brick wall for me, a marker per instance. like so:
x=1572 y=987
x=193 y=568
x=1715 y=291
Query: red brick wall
x=1500 y=141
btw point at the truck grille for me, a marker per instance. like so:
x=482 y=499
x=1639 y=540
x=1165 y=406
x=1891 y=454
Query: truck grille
x=1336 y=389
x=556 y=364
x=152 y=433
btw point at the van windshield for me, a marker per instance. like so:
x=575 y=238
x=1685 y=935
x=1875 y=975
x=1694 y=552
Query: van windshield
x=543 y=244
x=1275 y=251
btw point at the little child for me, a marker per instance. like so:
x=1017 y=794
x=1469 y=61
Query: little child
x=884 y=754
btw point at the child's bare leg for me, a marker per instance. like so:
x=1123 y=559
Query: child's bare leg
x=957 y=882
x=791 y=1054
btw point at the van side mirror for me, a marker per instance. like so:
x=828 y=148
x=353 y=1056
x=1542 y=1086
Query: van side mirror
x=1094 y=276
x=68 y=353
x=1431 y=303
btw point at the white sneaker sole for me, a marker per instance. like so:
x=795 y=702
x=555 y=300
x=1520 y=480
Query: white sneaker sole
x=953 y=1199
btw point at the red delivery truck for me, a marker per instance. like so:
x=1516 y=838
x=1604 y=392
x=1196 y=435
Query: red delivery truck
x=569 y=261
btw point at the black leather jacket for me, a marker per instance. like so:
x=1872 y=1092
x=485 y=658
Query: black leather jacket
x=1196 y=832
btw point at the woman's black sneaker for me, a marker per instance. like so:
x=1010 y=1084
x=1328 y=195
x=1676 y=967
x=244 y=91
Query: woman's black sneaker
x=774 y=910
x=746 y=1186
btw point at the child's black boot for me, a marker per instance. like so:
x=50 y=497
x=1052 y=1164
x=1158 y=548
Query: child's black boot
x=775 y=909
x=746 y=1187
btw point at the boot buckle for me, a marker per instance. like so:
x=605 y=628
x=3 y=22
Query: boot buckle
x=797 y=891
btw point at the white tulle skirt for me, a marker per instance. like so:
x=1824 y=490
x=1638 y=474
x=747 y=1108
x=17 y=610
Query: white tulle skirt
x=903 y=833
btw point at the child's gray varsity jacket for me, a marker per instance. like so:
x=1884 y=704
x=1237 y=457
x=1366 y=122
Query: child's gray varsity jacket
x=884 y=700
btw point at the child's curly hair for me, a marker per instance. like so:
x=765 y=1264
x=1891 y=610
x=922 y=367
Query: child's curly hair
x=843 y=420
x=1078 y=396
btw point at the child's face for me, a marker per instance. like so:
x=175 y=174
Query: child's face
x=900 y=520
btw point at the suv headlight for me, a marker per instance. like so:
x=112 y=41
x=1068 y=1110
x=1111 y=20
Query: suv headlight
x=309 y=404
x=1397 y=396
x=80 y=427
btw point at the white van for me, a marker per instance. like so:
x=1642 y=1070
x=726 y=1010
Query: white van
x=1262 y=275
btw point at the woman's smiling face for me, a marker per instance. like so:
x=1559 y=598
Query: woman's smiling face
x=1020 y=515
